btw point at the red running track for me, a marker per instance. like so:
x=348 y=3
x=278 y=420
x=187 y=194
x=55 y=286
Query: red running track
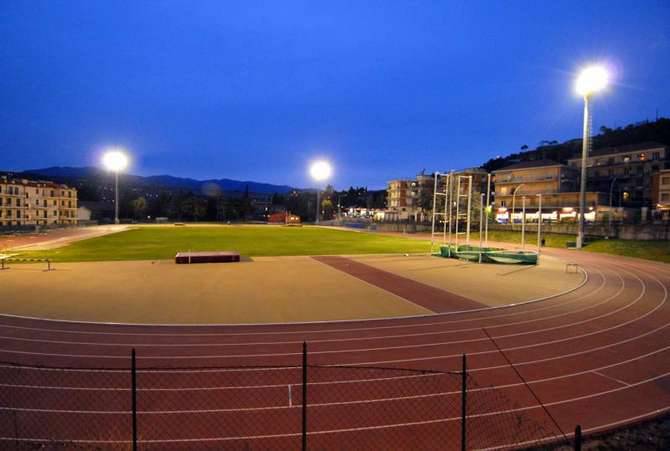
x=598 y=356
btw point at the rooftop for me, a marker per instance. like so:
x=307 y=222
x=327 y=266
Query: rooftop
x=529 y=165
x=623 y=149
x=34 y=183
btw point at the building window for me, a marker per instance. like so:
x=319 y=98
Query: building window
x=642 y=156
x=626 y=158
x=665 y=180
x=665 y=197
x=656 y=155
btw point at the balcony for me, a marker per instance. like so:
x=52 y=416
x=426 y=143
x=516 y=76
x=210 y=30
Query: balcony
x=543 y=178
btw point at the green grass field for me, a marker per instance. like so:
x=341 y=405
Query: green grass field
x=649 y=250
x=157 y=243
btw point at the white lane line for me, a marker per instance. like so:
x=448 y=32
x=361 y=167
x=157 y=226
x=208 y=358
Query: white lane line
x=561 y=340
x=340 y=340
x=332 y=431
x=619 y=381
x=355 y=350
x=399 y=319
x=219 y=370
x=347 y=381
x=602 y=427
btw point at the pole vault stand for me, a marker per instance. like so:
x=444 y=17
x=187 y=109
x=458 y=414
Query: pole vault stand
x=455 y=216
x=456 y=191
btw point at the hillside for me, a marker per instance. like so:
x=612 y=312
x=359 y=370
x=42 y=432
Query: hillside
x=657 y=131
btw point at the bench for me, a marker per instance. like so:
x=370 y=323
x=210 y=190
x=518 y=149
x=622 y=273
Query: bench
x=207 y=257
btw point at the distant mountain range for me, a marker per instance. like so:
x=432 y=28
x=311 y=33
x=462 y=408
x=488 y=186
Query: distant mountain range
x=65 y=173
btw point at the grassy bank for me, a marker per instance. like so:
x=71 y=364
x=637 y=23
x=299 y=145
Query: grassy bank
x=650 y=250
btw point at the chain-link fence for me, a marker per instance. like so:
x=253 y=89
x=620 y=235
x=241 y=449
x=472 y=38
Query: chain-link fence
x=306 y=406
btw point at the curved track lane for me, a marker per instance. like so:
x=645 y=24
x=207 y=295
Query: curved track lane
x=598 y=356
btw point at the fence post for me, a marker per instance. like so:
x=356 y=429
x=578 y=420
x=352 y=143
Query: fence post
x=134 y=398
x=578 y=438
x=304 y=396
x=464 y=393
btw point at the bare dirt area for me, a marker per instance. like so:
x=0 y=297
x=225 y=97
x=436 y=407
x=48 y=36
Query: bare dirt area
x=54 y=238
x=265 y=289
x=488 y=284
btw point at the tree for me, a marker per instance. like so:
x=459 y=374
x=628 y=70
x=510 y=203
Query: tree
x=327 y=208
x=245 y=204
x=139 y=206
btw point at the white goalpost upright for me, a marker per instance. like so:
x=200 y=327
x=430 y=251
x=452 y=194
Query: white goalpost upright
x=464 y=183
x=456 y=191
x=445 y=215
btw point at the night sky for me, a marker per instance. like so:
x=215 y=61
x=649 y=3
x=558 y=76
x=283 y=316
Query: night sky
x=255 y=90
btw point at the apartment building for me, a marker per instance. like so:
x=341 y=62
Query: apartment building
x=625 y=171
x=32 y=203
x=660 y=193
x=400 y=199
x=557 y=183
x=413 y=198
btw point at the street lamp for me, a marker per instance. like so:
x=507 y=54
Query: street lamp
x=513 y=199
x=591 y=80
x=320 y=171
x=115 y=160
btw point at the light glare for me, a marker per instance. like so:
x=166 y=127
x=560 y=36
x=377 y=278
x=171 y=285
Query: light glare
x=115 y=160
x=591 y=80
x=320 y=170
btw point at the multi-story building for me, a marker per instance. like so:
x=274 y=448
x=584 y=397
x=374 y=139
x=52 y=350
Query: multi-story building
x=625 y=171
x=660 y=193
x=27 y=202
x=409 y=198
x=399 y=201
x=520 y=184
x=413 y=198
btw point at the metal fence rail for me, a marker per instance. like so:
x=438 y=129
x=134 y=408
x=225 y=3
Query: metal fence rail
x=306 y=406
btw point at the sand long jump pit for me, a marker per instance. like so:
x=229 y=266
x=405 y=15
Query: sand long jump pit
x=273 y=289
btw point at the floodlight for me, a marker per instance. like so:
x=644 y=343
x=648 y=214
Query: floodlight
x=591 y=80
x=115 y=160
x=320 y=170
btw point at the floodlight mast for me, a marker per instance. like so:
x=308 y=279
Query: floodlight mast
x=115 y=160
x=320 y=171
x=592 y=80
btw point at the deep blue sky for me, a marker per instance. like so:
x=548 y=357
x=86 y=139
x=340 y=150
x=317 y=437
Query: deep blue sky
x=254 y=90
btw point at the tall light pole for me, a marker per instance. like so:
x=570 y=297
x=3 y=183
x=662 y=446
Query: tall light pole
x=320 y=171
x=591 y=80
x=115 y=160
